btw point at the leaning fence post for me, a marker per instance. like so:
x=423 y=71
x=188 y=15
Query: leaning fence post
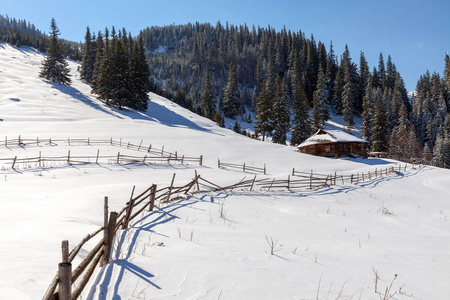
x=96 y=159
x=14 y=162
x=253 y=183
x=139 y=148
x=152 y=197
x=171 y=186
x=105 y=258
x=65 y=274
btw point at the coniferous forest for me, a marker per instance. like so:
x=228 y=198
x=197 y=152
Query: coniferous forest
x=286 y=83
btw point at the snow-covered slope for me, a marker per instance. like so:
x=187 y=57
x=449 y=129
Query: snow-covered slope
x=328 y=240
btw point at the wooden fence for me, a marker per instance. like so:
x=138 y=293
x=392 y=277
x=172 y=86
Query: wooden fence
x=243 y=167
x=22 y=142
x=159 y=155
x=61 y=285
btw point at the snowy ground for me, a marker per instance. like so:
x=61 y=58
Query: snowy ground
x=330 y=242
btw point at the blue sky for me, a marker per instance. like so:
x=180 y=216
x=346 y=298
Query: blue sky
x=415 y=33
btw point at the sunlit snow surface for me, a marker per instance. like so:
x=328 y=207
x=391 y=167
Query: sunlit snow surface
x=329 y=241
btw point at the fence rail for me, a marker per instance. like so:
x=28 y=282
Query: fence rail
x=243 y=167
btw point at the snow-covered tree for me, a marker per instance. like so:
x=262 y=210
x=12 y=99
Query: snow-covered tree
x=281 y=114
x=301 y=123
x=320 y=104
x=231 y=97
x=55 y=67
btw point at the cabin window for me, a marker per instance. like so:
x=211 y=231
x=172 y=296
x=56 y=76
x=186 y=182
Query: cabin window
x=340 y=147
x=362 y=147
x=327 y=148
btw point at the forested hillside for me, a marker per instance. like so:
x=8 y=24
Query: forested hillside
x=286 y=83
x=191 y=64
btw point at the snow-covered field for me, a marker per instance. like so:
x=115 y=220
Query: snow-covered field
x=330 y=242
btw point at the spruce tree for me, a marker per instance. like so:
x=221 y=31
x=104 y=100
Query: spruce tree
x=347 y=100
x=88 y=62
x=320 y=105
x=140 y=75
x=231 y=97
x=281 y=114
x=380 y=124
x=263 y=116
x=208 y=102
x=367 y=114
x=301 y=123
x=54 y=67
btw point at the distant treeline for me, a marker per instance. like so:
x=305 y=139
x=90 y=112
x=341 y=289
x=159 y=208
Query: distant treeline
x=23 y=33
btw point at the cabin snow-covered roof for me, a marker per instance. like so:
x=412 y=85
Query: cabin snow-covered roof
x=331 y=136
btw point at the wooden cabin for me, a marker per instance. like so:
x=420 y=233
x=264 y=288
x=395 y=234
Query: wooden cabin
x=334 y=143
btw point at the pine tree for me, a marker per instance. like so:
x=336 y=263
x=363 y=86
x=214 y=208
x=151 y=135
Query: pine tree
x=320 y=105
x=367 y=114
x=100 y=45
x=88 y=62
x=208 y=102
x=264 y=112
x=380 y=124
x=140 y=74
x=231 y=97
x=347 y=101
x=281 y=114
x=301 y=123
x=55 y=68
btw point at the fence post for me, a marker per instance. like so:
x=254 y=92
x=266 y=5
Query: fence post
x=162 y=151
x=182 y=159
x=218 y=163
x=310 y=180
x=171 y=186
x=198 y=187
x=152 y=197
x=96 y=159
x=105 y=258
x=65 y=274
x=293 y=171
x=149 y=148
x=129 y=210
x=244 y=167
x=6 y=141
x=139 y=148
x=128 y=145
x=253 y=183
x=201 y=160
x=264 y=169
x=351 y=179
x=176 y=155
x=335 y=175
x=68 y=158
x=88 y=142
x=14 y=162
x=118 y=157
x=145 y=157
x=111 y=232
x=18 y=143
x=289 y=183
x=39 y=159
